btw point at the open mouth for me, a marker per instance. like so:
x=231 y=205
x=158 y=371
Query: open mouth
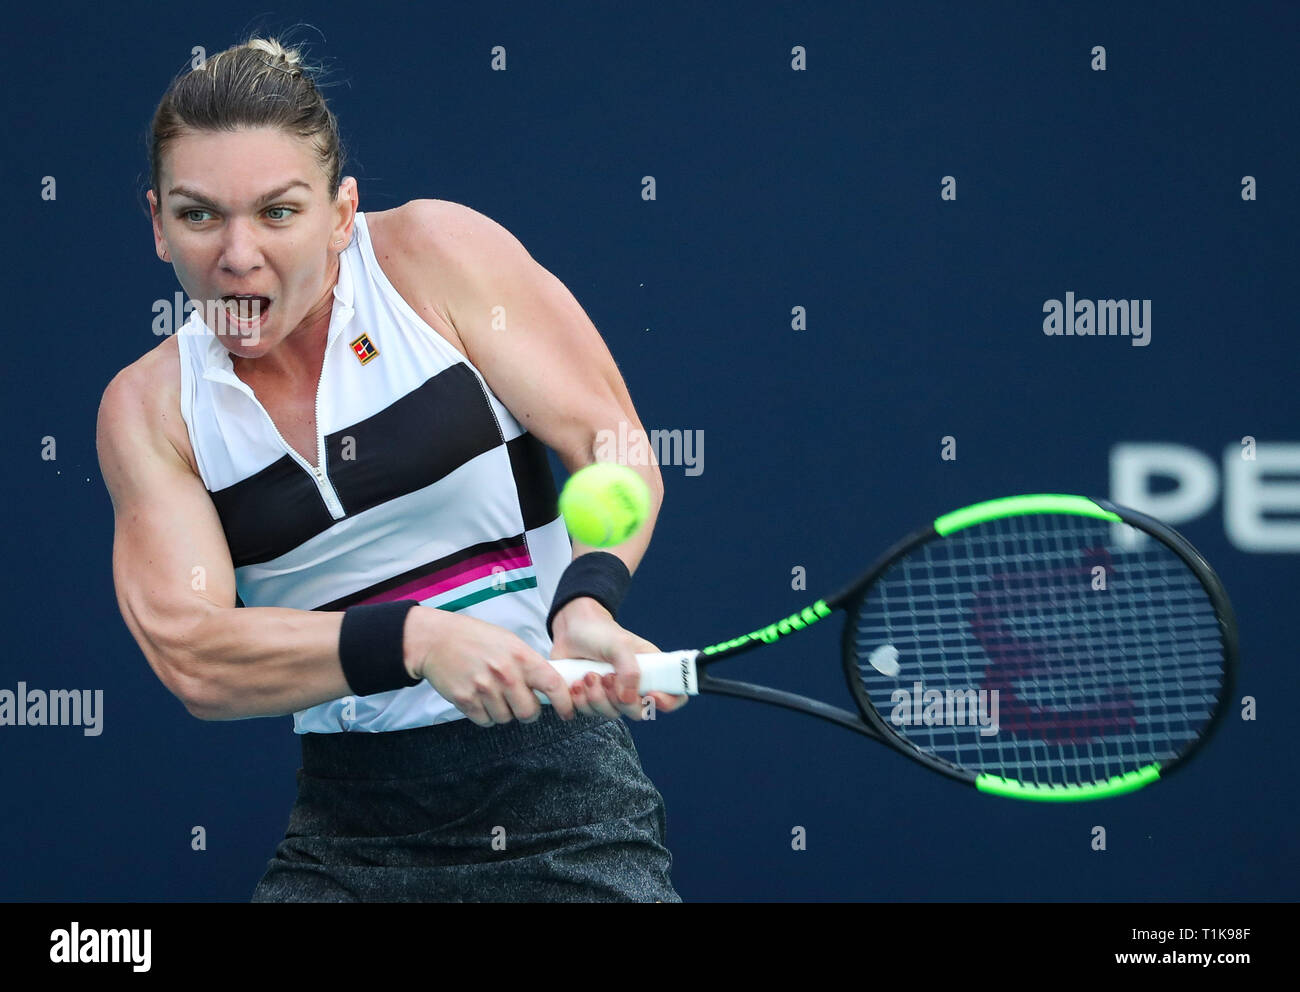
x=246 y=310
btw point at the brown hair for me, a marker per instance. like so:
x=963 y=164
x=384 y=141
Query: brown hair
x=258 y=83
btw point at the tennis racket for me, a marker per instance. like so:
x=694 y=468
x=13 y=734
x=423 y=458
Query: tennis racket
x=1041 y=647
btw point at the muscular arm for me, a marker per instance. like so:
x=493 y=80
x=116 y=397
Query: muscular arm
x=549 y=364
x=175 y=581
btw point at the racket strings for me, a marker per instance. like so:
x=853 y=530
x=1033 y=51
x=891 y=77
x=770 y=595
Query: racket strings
x=1050 y=649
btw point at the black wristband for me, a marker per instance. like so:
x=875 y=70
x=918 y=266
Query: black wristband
x=598 y=574
x=371 y=647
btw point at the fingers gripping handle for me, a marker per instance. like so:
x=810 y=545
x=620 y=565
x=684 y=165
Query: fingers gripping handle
x=672 y=672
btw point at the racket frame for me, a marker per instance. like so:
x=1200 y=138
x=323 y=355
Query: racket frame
x=871 y=723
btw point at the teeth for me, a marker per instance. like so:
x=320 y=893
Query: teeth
x=243 y=308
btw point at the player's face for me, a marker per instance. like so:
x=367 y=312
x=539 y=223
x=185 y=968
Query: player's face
x=249 y=226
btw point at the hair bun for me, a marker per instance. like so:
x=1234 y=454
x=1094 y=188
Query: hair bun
x=272 y=47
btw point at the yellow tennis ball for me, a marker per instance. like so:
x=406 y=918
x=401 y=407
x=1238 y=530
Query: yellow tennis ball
x=604 y=504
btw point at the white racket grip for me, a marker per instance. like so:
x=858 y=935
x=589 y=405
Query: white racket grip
x=672 y=672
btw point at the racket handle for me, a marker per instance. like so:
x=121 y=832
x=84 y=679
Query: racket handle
x=672 y=672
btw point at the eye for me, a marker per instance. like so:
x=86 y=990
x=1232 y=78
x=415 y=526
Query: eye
x=289 y=210
x=194 y=210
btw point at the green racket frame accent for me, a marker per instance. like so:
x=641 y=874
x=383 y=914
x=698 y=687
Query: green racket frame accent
x=1014 y=506
x=774 y=631
x=1117 y=786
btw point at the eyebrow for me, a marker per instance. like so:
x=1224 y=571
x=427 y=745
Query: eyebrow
x=195 y=195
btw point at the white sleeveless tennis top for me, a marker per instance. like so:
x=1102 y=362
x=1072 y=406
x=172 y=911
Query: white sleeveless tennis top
x=428 y=488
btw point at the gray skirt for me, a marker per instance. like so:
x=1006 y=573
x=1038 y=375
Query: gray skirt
x=542 y=812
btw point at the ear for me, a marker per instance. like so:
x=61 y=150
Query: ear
x=345 y=203
x=159 y=244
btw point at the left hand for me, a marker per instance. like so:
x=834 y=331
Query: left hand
x=585 y=629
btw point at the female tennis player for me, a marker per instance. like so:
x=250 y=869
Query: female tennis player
x=332 y=499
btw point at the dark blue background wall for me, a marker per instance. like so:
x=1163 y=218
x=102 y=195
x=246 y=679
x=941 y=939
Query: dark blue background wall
x=776 y=189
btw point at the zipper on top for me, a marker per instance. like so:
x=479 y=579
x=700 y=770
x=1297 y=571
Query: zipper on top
x=329 y=496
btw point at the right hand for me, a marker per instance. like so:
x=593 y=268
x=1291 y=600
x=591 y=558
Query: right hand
x=485 y=671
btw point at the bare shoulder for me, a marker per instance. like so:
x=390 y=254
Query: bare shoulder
x=142 y=404
x=431 y=250
x=441 y=226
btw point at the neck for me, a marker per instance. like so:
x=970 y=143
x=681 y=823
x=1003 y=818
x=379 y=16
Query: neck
x=295 y=359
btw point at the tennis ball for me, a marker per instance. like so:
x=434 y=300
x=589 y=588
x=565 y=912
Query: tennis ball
x=604 y=504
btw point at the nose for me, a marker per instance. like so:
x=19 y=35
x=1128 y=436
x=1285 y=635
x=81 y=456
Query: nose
x=240 y=252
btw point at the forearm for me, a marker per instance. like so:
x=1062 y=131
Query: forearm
x=630 y=551
x=634 y=548
x=270 y=661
